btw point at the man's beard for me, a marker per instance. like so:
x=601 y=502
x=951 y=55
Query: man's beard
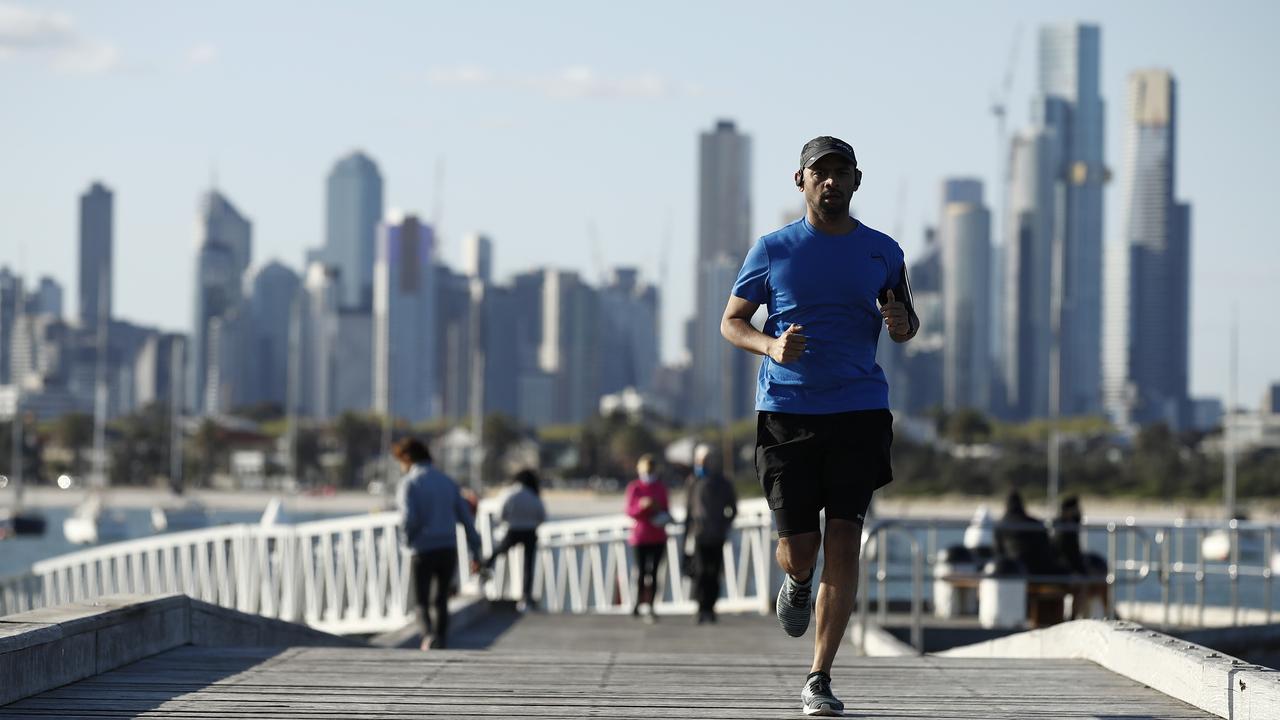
x=832 y=208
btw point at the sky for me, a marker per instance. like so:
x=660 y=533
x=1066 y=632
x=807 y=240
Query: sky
x=568 y=131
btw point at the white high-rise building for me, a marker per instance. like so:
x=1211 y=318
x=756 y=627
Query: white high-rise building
x=477 y=257
x=964 y=234
x=404 y=374
x=569 y=352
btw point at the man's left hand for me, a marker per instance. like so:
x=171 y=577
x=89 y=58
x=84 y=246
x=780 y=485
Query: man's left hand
x=895 y=317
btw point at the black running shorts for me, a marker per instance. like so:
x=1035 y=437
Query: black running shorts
x=807 y=463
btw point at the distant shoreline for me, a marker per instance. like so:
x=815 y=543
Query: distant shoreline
x=583 y=503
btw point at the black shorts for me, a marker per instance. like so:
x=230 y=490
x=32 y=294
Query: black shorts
x=807 y=463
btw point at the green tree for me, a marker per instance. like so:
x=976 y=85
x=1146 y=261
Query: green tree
x=626 y=444
x=966 y=426
x=359 y=438
x=139 y=446
x=212 y=451
x=499 y=434
x=74 y=432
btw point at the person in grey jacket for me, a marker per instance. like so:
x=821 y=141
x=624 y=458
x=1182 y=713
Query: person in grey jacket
x=431 y=508
x=712 y=505
x=521 y=514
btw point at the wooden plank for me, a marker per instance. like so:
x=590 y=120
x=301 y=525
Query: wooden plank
x=742 y=671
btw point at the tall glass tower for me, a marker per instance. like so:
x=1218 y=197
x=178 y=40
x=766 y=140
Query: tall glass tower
x=224 y=243
x=722 y=387
x=353 y=204
x=1149 y=269
x=404 y=371
x=1053 y=250
x=96 y=212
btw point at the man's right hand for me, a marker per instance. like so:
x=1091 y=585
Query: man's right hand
x=788 y=346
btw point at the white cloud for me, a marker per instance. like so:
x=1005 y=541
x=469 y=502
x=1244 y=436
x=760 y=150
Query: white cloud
x=52 y=37
x=571 y=83
x=202 y=54
x=461 y=76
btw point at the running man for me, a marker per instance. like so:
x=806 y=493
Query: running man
x=823 y=429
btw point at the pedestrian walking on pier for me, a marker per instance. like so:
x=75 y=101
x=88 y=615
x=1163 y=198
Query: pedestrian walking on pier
x=711 y=505
x=521 y=514
x=431 y=508
x=823 y=428
x=648 y=506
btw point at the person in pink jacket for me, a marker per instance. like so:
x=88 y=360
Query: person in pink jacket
x=648 y=506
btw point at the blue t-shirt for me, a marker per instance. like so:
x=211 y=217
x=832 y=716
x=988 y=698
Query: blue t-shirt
x=829 y=284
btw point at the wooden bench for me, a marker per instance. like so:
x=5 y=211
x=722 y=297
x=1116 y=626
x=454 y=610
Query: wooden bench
x=1046 y=594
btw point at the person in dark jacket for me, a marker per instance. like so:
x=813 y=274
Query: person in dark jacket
x=1066 y=536
x=1023 y=538
x=431 y=508
x=712 y=505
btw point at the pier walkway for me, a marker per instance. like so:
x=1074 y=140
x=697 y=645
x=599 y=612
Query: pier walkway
x=550 y=666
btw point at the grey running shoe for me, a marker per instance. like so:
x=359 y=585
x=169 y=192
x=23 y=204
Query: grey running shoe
x=818 y=698
x=793 y=605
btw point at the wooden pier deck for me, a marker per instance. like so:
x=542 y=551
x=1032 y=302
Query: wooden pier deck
x=543 y=666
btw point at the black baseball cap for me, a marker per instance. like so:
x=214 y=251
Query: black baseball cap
x=823 y=146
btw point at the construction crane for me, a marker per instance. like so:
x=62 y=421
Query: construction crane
x=1000 y=109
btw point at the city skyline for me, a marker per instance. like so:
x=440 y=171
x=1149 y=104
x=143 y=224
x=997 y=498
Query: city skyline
x=286 y=206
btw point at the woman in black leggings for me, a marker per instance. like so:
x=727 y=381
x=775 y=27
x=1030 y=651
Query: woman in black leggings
x=649 y=507
x=522 y=512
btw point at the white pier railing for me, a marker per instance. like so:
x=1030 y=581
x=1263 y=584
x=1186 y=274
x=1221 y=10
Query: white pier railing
x=350 y=575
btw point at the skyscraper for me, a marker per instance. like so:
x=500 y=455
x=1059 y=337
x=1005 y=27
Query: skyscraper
x=914 y=369
x=535 y=388
x=404 y=375
x=223 y=246
x=317 y=340
x=569 y=352
x=158 y=365
x=46 y=299
x=275 y=289
x=477 y=257
x=965 y=237
x=353 y=373
x=1149 y=270
x=628 y=332
x=353 y=210
x=10 y=300
x=95 y=254
x=1070 y=66
x=1053 y=251
x=1029 y=272
x=454 y=351
x=500 y=333
x=722 y=385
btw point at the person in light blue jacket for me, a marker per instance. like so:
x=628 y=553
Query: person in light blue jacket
x=431 y=508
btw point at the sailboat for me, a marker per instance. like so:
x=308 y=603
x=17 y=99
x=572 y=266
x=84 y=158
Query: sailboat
x=89 y=523
x=178 y=512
